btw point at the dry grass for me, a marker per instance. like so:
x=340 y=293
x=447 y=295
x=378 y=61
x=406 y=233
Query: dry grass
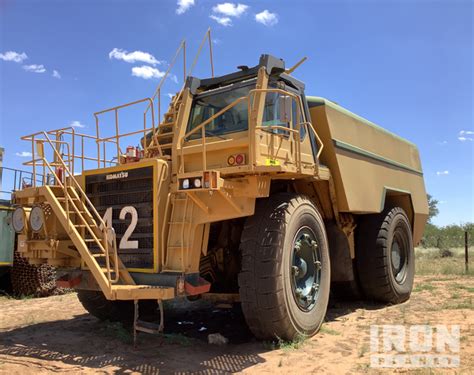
x=429 y=262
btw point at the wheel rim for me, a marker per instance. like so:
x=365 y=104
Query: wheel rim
x=305 y=269
x=399 y=254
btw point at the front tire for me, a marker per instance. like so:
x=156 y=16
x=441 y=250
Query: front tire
x=285 y=278
x=385 y=256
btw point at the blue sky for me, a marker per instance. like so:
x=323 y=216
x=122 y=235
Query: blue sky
x=405 y=65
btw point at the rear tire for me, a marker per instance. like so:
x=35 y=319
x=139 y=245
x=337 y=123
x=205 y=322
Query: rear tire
x=285 y=278
x=385 y=256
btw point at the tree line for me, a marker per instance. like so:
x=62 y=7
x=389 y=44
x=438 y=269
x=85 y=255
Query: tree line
x=445 y=237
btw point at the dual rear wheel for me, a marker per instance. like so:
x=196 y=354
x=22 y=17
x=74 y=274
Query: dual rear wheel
x=385 y=256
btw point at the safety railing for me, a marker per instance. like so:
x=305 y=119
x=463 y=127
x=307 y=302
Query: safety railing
x=156 y=98
x=73 y=193
x=102 y=141
x=12 y=179
x=78 y=148
x=252 y=129
x=77 y=157
x=153 y=102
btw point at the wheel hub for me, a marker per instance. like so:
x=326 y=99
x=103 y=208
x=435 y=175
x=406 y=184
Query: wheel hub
x=399 y=256
x=306 y=269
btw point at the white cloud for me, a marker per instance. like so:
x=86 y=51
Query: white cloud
x=230 y=9
x=77 y=124
x=170 y=95
x=13 y=56
x=216 y=41
x=132 y=57
x=266 y=18
x=224 y=21
x=146 y=72
x=184 y=5
x=462 y=135
x=56 y=74
x=442 y=143
x=442 y=173
x=24 y=154
x=34 y=68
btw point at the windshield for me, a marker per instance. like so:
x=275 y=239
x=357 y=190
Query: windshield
x=207 y=105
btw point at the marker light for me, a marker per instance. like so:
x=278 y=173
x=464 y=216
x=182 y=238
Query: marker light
x=186 y=183
x=18 y=220
x=236 y=159
x=239 y=159
x=197 y=183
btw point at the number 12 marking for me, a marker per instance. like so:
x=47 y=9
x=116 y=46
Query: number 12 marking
x=125 y=243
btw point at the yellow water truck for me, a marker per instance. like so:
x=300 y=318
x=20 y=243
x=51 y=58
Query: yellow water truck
x=247 y=190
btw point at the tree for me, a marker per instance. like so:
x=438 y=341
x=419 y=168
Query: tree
x=433 y=207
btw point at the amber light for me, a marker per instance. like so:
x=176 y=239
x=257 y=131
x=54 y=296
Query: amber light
x=210 y=180
x=206 y=180
x=231 y=160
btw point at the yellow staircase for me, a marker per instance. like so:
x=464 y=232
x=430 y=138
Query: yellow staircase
x=94 y=241
x=162 y=139
x=179 y=235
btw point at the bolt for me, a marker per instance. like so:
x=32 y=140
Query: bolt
x=317 y=264
x=315 y=287
x=299 y=292
x=297 y=247
x=314 y=244
x=295 y=270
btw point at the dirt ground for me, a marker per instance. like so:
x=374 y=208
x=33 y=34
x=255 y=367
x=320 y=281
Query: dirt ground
x=55 y=334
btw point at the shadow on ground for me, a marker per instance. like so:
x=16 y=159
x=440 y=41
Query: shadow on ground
x=86 y=343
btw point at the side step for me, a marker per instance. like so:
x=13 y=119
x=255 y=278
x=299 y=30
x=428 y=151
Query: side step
x=147 y=327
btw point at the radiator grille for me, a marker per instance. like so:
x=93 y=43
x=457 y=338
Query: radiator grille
x=126 y=191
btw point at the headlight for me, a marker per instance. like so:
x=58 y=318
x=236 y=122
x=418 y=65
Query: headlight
x=36 y=218
x=186 y=183
x=18 y=220
x=197 y=183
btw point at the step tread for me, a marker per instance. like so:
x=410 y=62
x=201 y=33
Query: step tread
x=148 y=327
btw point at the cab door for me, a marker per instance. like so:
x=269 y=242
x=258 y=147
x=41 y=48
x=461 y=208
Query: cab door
x=284 y=138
